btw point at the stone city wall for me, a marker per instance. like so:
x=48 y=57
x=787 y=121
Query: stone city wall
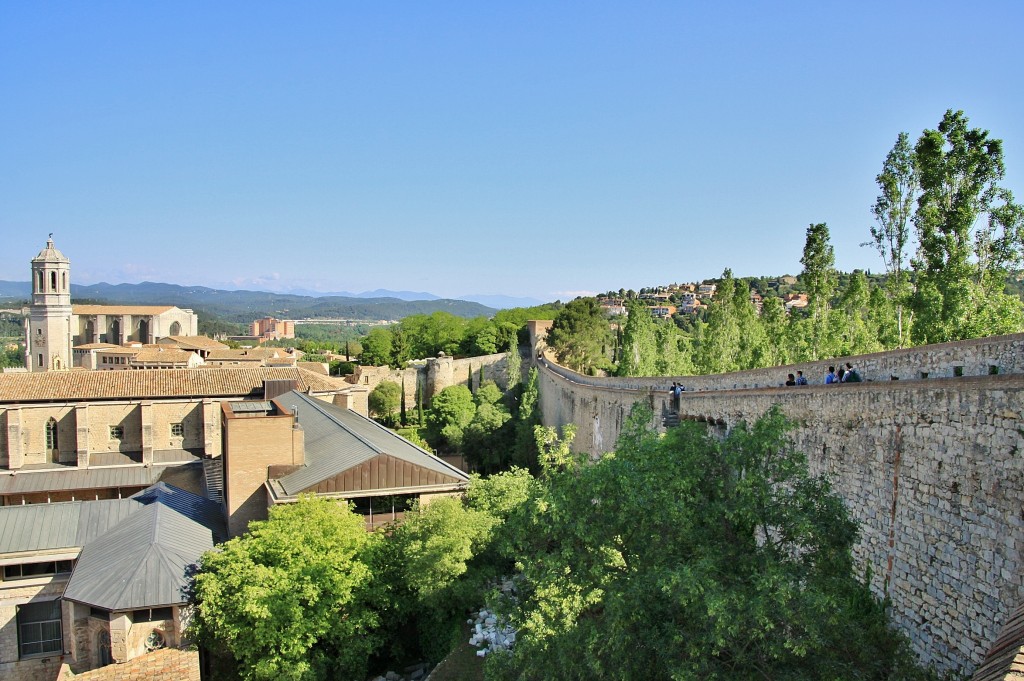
x=932 y=470
x=435 y=374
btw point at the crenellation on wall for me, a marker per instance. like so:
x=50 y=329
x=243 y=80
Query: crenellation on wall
x=931 y=469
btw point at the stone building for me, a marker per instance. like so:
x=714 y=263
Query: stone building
x=86 y=584
x=276 y=450
x=269 y=328
x=55 y=326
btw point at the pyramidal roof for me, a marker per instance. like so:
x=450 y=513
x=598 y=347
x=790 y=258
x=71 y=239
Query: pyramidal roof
x=146 y=560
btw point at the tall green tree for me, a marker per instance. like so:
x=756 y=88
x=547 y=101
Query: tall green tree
x=580 y=336
x=384 y=401
x=899 y=185
x=719 y=342
x=291 y=599
x=378 y=347
x=820 y=279
x=737 y=565
x=639 y=346
x=970 y=232
x=451 y=411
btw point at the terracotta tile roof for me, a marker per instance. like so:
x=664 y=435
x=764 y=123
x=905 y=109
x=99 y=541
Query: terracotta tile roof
x=168 y=664
x=163 y=355
x=119 y=350
x=194 y=342
x=120 y=309
x=95 y=346
x=1005 y=660
x=51 y=386
x=315 y=367
x=249 y=354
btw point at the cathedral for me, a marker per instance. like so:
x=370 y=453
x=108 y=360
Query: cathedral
x=56 y=327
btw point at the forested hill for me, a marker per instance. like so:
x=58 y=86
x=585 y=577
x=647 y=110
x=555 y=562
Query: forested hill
x=244 y=306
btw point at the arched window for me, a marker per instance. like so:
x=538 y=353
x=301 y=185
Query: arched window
x=103 y=656
x=51 y=435
x=175 y=329
x=39 y=282
x=53 y=281
x=64 y=282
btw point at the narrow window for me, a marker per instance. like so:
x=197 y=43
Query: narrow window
x=40 y=360
x=64 y=281
x=53 y=281
x=51 y=434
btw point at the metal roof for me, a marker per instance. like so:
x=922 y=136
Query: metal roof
x=136 y=552
x=68 y=524
x=57 y=480
x=337 y=439
x=142 y=563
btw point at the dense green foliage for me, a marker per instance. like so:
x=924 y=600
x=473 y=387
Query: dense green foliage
x=691 y=557
x=581 y=337
x=290 y=599
x=384 y=402
x=309 y=594
x=420 y=336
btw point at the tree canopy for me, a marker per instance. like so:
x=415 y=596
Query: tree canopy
x=690 y=557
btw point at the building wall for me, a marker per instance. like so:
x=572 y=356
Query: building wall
x=13 y=594
x=930 y=468
x=251 y=446
x=84 y=429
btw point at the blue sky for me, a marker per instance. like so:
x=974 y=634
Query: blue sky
x=538 y=149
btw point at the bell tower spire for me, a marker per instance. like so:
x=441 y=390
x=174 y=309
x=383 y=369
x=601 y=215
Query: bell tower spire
x=48 y=345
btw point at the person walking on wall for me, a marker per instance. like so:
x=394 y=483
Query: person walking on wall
x=800 y=378
x=790 y=381
x=830 y=377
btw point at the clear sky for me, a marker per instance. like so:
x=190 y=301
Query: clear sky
x=540 y=149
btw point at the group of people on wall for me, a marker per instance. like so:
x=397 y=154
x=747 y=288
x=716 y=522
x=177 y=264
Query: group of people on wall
x=845 y=374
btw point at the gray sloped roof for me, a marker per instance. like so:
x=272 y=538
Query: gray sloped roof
x=77 y=478
x=143 y=563
x=337 y=439
x=136 y=552
x=64 y=525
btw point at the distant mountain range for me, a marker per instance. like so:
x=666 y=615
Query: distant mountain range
x=244 y=306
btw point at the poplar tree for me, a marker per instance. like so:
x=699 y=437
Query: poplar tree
x=970 y=233
x=899 y=185
x=639 y=346
x=820 y=279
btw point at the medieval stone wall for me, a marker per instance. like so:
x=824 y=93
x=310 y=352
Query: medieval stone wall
x=931 y=468
x=435 y=374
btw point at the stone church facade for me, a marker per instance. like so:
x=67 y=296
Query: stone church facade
x=55 y=326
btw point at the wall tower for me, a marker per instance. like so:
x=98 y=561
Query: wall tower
x=48 y=342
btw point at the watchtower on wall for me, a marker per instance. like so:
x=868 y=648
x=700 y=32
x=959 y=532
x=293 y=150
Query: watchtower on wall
x=48 y=336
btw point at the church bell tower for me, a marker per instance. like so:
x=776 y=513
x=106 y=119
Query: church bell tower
x=48 y=345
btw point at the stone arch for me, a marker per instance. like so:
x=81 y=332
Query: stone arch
x=114 y=333
x=143 y=330
x=39 y=282
x=103 y=654
x=175 y=329
x=53 y=281
x=64 y=282
x=52 y=443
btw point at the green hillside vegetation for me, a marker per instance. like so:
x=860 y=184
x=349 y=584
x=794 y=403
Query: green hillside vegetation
x=942 y=196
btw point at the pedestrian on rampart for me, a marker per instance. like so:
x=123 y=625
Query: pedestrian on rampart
x=800 y=378
x=830 y=377
x=790 y=382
